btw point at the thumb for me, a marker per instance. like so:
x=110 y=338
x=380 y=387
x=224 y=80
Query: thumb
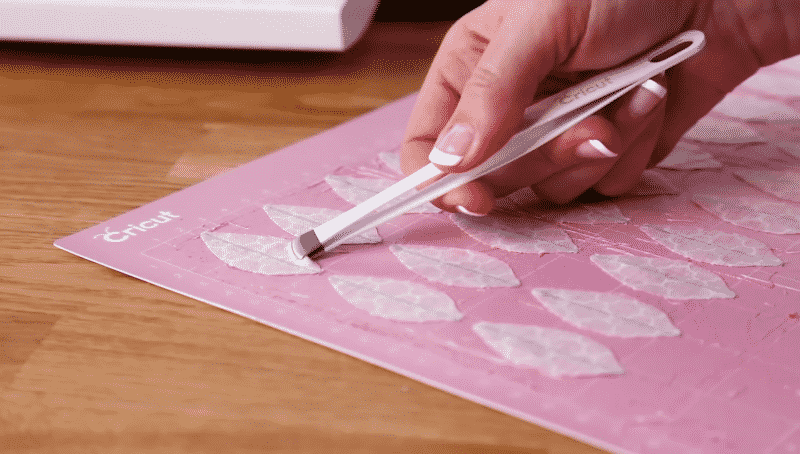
x=525 y=48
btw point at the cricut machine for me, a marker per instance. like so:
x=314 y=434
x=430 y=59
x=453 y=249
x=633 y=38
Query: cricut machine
x=324 y=25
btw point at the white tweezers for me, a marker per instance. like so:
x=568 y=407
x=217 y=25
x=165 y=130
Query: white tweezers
x=546 y=119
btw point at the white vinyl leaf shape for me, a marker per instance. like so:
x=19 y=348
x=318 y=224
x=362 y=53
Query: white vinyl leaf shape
x=552 y=352
x=651 y=183
x=712 y=246
x=792 y=63
x=791 y=148
x=784 y=184
x=749 y=107
x=396 y=300
x=297 y=220
x=357 y=190
x=515 y=233
x=753 y=213
x=595 y=213
x=612 y=314
x=671 y=279
x=719 y=130
x=258 y=254
x=455 y=266
x=777 y=84
x=687 y=156
x=391 y=160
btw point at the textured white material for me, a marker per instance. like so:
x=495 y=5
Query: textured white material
x=515 y=234
x=595 y=213
x=258 y=254
x=748 y=107
x=552 y=352
x=784 y=184
x=792 y=148
x=688 y=156
x=776 y=84
x=266 y=24
x=358 y=190
x=672 y=279
x=753 y=213
x=612 y=314
x=396 y=300
x=792 y=63
x=297 y=220
x=391 y=160
x=454 y=266
x=719 y=130
x=712 y=246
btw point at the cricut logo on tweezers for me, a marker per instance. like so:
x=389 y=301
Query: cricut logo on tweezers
x=575 y=94
x=113 y=236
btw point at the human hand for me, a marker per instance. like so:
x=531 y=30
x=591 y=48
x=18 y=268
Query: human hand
x=503 y=56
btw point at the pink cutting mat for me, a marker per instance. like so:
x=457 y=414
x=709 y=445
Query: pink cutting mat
x=729 y=383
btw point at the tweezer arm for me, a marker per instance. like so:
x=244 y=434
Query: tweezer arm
x=532 y=138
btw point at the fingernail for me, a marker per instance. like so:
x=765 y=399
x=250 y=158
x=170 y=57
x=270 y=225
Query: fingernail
x=594 y=149
x=450 y=149
x=643 y=101
x=467 y=212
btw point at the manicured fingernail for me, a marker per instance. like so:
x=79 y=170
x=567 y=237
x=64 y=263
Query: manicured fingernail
x=450 y=149
x=643 y=101
x=467 y=212
x=594 y=149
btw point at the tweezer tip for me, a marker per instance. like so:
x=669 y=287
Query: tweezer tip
x=306 y=245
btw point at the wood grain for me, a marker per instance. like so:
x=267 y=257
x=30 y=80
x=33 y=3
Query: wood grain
x=95 y=361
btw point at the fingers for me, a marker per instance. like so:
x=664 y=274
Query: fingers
x=524 y=48
x=638 y=117
x=591 y=144
x=588 y=144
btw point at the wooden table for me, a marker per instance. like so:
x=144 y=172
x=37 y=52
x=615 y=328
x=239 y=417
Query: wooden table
x=95 y=361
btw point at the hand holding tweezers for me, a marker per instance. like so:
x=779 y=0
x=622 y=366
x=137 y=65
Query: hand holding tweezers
x=543 y=121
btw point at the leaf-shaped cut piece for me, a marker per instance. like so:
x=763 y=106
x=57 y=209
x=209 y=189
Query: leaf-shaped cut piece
x=753 y=213
x=396 y=300
x=357 y=190
x=778 y=84
x=791 y=148
x=455 y=266
x=258 y=254
x=712 y=246
x=553 y=352
x=784 y=184
x=297 y=220
x=687 y=156
x=391 y=160
x=651 y=183
x=612 y=314
x=791 y=63
x=749 y=107
x=672 y=279
x=595 y=213
x=719 y=130
x=514 y=233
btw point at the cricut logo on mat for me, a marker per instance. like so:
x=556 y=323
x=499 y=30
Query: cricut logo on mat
x=113 y=236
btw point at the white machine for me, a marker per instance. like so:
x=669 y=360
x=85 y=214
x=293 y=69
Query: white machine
x=327 y=25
